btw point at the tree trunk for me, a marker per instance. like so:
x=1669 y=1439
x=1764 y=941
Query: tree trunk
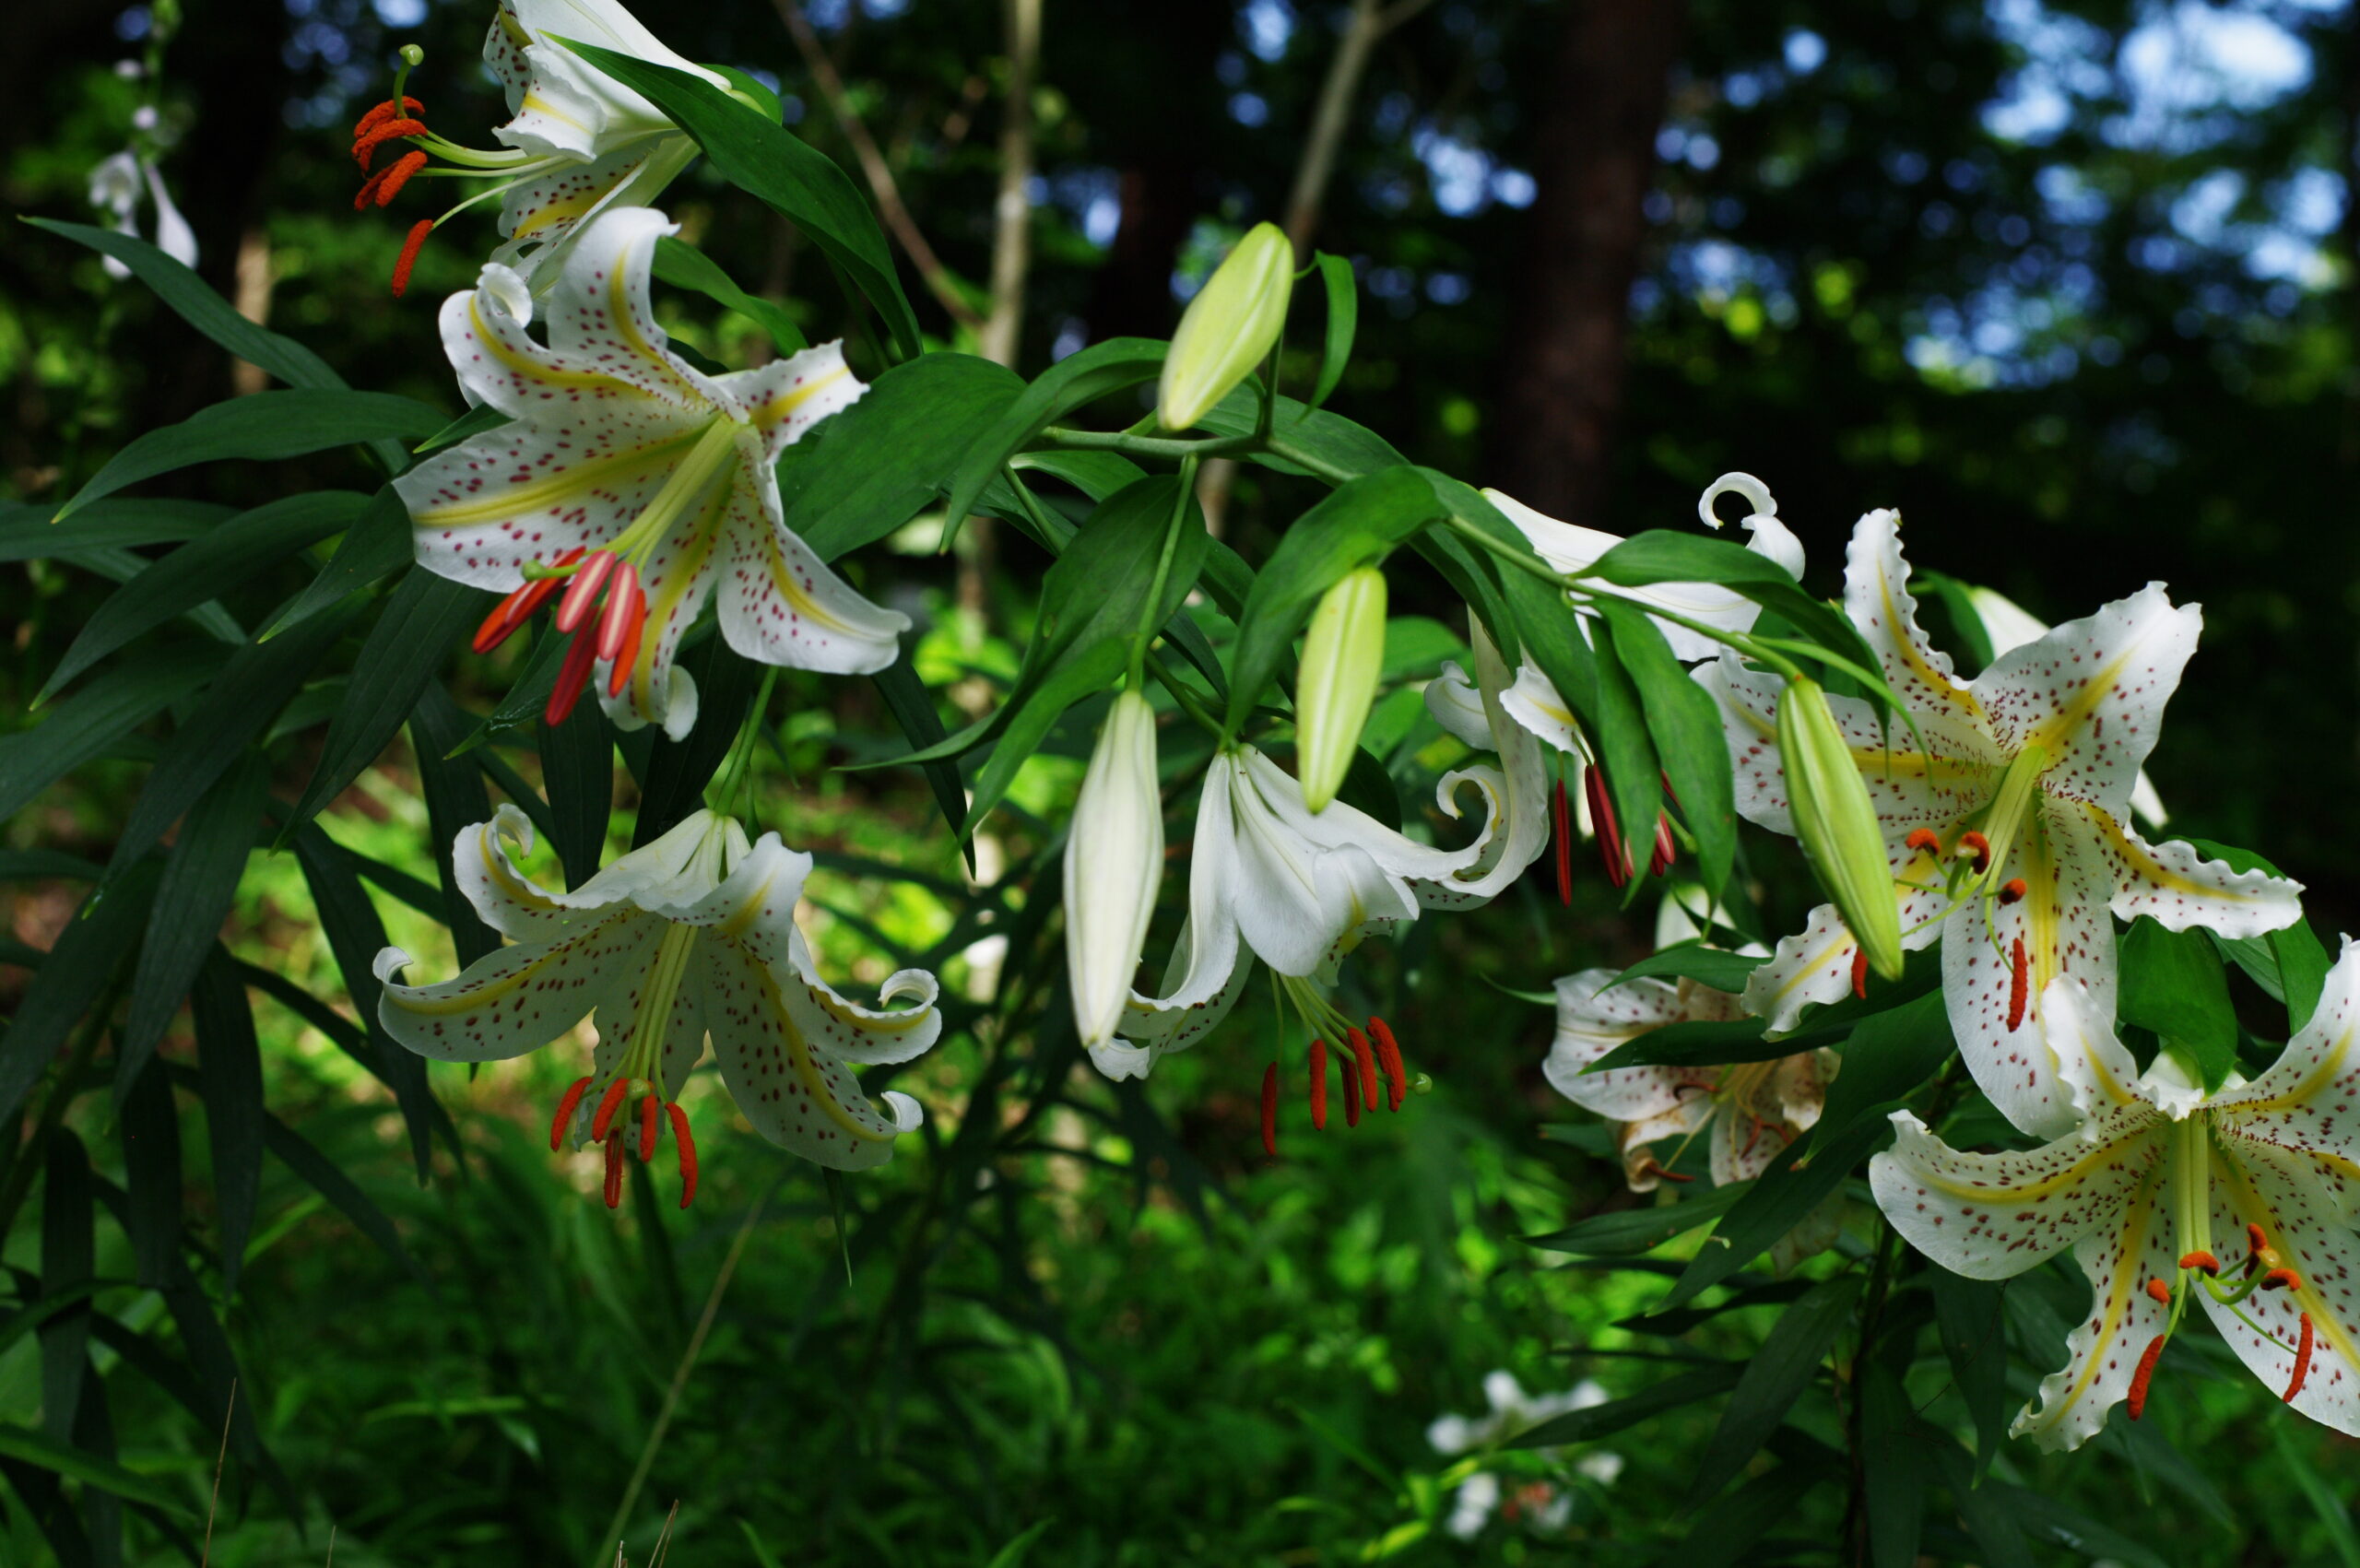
x=1594 y=159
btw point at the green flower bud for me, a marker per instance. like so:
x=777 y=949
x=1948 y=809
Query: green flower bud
x=1837 y=825
x=1228 y=328
x=1343 y=653
x=1113 y=864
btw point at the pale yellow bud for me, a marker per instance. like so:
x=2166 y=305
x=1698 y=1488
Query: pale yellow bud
x=1114 y=863
x=1837 y=825
x=1228 y=328
x=1342 y=652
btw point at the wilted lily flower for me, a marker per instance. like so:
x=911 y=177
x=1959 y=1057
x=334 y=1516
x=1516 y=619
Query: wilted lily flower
x=2241 y=1201
x=694 y=933
x=580 y=143
x=627 y=472
x=1298 y=890
x=2005 y=836
x=1114 y=865
x=117 y=185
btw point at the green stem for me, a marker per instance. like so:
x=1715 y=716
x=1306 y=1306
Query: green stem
x=1181 y=695
x=734 y=769
x=1132 y=445
x=1151 y=621
x=1319 y=466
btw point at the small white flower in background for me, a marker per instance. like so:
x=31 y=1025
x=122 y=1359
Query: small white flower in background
x=118 y=184
x=1512 y=1410
x=693 y=934
x=2242 y=1199
x=1114 y=865
x=627 y=472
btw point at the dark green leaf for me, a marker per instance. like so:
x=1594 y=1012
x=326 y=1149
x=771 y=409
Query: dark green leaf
x=2301 y=960
x=684 y=266
x=455 y=800
x=1973 y=1334
x=230 y=1083
x=1893 y=1469
x=1804 y=1172
x=39 y=1449
x=1369 y=789
x=79 y=966
x=1343 y=316
x=1627 y=1233
x=1774 y=1380
x=151 y=1165
x=27 y=532
x=1888 y=1054
x=1071 y=382
x=1357 y=524
x=202 y=569
x=578 y=769
x=1330 y=440
x=1727 y=1532
x=1989 y=1518
x=1626 y=751
x=474 y=422
x=913 y=709
x=265 y=426
x=1711 y=1043
x=1691 y=960
x=257 y=683
x=1598 y=1420
x=297 y=1154
x=94 y=719
x=1974 y=636
x=863 y=473
x=410 y=644
x=759 y=157
x=678 y=770
x=2173 y=982
x=68 y=1251
x=1685 y=723
x=377 y=543
x=1093 y=669
x=200 y=882
x=2333 y=1511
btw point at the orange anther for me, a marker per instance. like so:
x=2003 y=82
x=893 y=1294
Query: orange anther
x=1977 y=844
x=686 y=1148
x=384 y=112
x=1923 y=840
x=365 y=146
x=2145 y=1374
x=571 y=676
x=409 y=258
x=1396 y=1080
x=607 y=1106
x=2019 y=987
x=624 y=602
x=1564 y=817
x=1270 y=1110
x=1667 y=852
x=2012 y=891
x=2201 y=1261
x=1860 y=972
x=2160 y=1290
x=649 y=1107
x=1367 y=1061
x=583 y=592
x=1616 y=858
x=566 y=1104
x=2255 y=1239
x=614 y=1171
x=618 y=676
x=2302 y=1360
x=1319 y=1084
x=2281 y=1280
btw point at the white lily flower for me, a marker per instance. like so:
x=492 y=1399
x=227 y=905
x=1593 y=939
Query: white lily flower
x=1114 y=865
x=1298 y=890
x=580 y=142
x=1475 y=711
x=693 y=934
x=2006 y=835
x=2007 y=625
x=117 y=183
x=2155 y=1193
x=1567 y=546
x=627 y=471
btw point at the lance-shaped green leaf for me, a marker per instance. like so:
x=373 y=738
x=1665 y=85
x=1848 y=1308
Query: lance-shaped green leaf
x=1625 y=749
x=672 y=784
x=263 y=427
x=1627 y=1233
x=377 y=543
x=199 y=884
x=685 y=267
x=102 y=933
x=1887 y=1055
x=68 y=1255
x=216 y=731
x=1686 y=725
x=204 y=568
x=762 y=158
x=95 y=719
x=1357 y=524
x=1343 y=320
x=1333 y=446
x=230 y=1083
x=151 y=1174
x=1717 y=967
x=120 y=522
x=455 y=797
x=1968 y=1319
x=578 y=770
x=1600 y=1420
x=2173 y=982
x=1775 y=1379
x=864 y=472
x=296 y=1152
x=905 y=697
x=1804 y=1172
x=1070 y=384
x=1892 y=1468
x=410 y=644
x=44 y=1451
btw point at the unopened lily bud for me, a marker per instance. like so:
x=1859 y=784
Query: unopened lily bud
x=1113 y=862
x=1342 y=652
x=1837 y=825
x=1228 y=327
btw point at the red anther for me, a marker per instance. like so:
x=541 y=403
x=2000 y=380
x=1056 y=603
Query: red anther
x=583 y=592
x=649 y=1106
x=571 y=676
x=2012 y=891
x=1565 y=815
x=1666 y=850
x=623 y=602
x=618 y=676
x=1610 y=851
x=1367 y=1061
x=2019 y=987
x=1352 y=1088
x=1668 y=793
x=566 y=1104
x=2201 y=1260
x=1860 y=972
x=1319 y=1084
x=2161 y=1292
x=614 y=1172
x=1270 y=1110
x=2255 y=1239
x=396 y=175
x=365 y=144
x=1924 y=840
x=2145 y=1374
x=1397 y=1081
x=686 y=1148
x=2302 y=1360
x=409 y=258
x=2281 y=1280
x=1979 y=846
x=384 y=112
x=607 y=1106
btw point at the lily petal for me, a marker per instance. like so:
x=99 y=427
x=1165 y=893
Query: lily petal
x=677 y=578
x=2306 y=1103
x=2131 y=1247
x=602 y=310
x=1815 y=964
x=517 y=999
x=1877 y=598
x=799 y=1097
x=510 y=901
x=2179 y=888
x=1591 y=1021
x=780 y=605
x=2279 y=1190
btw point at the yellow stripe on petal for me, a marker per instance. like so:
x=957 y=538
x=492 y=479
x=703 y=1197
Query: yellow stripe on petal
x=680 y=579
x=2138 y=1217
x=535 y=370
x=534 y=495
x=806 y=1065
x=771 y=412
